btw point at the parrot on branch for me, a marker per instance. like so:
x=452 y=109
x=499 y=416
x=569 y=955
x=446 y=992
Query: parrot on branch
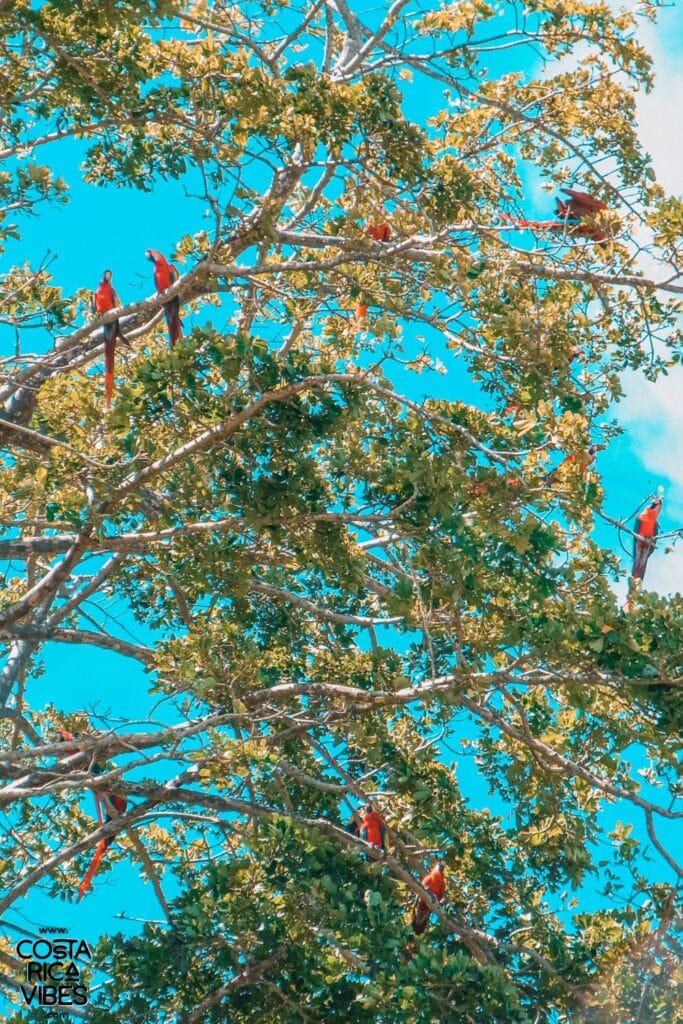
x=166 y=275
x=577 y=213
x=66 y=737
x=380 y=232
x=584 y=461
x=111 y=803
x=436 y=884
x=644 y=543
x=372 y=828
x=109 y=806
x=104 y=299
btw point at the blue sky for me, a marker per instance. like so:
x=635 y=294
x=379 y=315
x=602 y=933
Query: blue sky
x=101 y=228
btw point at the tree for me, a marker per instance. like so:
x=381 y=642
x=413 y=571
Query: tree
x=343 y=582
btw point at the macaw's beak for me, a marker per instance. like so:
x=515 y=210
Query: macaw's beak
x=149 y=255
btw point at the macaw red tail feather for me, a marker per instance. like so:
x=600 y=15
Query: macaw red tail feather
x=175 y=324
x=90 y=874
x=641 y=557
x=109 y=350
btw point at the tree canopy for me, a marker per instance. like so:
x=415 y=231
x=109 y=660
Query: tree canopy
x=330 y=511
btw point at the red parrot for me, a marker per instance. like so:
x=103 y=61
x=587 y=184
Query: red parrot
x=66 y=737
x=361 y=313
x=372 y=828
x=113 y=806
x=584 y=461
x=380 y=233
x=104 y=299
x=436 y=883
x=164 y=276
x=581 y=207
x=513 y=482
x=644 y=543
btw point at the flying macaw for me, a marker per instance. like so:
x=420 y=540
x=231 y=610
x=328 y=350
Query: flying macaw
x=164 y=276
x=372 y=828
x=644 y=543
x=577 y=212
x=584 y=461
x=436 y=884
x=104 y=299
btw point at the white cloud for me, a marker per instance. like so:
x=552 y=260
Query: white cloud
x=659 y=112
x=653 y=414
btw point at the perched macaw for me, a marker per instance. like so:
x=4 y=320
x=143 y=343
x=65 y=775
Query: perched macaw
x=644 y=543
x=104 y=299
x=372 y=828
x=577 y=213
x=583 y=460
x=360 y=315
x=380 y=232
x=436 y=883
x=66 y=737
x=484 y=486
x=164 y=276
x=109 y=806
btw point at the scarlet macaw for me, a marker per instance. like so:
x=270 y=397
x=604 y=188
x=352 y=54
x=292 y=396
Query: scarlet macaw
x=104 y=299
x=483 y=487
x=66 y=737
x=380 y=233
x=111 y=803
x=644 y=543
x=372 y=828
x=436 y=884
x=164 y=276
x=577 y=212
x=584 y=461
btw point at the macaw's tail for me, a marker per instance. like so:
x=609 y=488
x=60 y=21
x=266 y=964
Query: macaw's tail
x=420 y=916
x=175 y=324
x=642 y=553
x=109 y=351
x=90 y=874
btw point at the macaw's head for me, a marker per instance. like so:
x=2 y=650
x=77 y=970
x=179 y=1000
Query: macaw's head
x=106 y=277
x=441 y=866
x=657 y=503
x=153 y=255
x=369 y=808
